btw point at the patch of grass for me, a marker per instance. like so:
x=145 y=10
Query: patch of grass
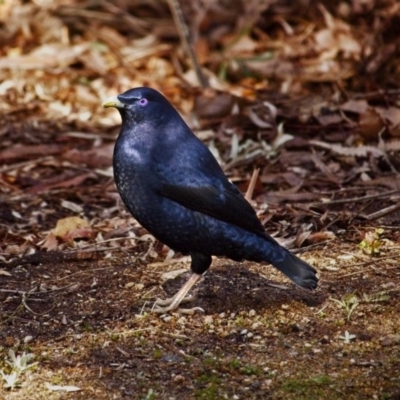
x=235 y=364
x=250 y=370
x=309 y=388
x=211 y=362
x=56 y=379
x=158 y=353
x=207 y=378
x=151 y=395
x=208 y=393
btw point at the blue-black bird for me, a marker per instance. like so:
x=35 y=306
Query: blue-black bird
x=172 y=184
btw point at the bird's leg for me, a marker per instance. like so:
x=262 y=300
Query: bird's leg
x=200 y=264
x=174 y=302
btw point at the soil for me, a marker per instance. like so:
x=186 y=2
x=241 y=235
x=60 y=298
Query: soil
x=89 y=325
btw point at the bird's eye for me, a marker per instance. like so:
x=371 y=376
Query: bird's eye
x=143 y=101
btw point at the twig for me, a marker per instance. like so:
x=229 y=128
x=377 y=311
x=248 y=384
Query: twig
x=382 y=146
x=378 y=93
x=23 y=301
x=252 y=184
x=355 y=199
x=43 y=257
x=184 y=34
x=381 y=213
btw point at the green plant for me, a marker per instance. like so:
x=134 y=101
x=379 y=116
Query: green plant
x=348 y=303
x=19 y=365
x=372 y=242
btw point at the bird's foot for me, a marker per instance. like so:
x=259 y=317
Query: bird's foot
x=170 y=300
x=172 y=304
x=187 y=311
x=164 y=306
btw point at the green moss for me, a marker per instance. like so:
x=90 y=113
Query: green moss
x=250 y=370
x=158 y=353
x=235 y=364
x=309 y=388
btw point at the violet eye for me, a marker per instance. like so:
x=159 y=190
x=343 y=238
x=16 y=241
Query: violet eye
x=143 y=101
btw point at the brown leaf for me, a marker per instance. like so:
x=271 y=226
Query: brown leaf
x=211 y=104
x=355 y=106
x=46 y=56
x=370 y=124
x=22 y=152
x=391 y=116
x=73 y=228
x=98 y=157
x=50 y=243
x=60 y=181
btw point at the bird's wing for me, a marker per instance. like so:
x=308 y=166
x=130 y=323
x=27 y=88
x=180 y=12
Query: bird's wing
x=227 y=205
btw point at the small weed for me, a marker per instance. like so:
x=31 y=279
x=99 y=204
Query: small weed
x=56 y=379
x=312 y=388
x=11 y=379
x=209 y=378
x=158 y=353
x=18 y=365
x=208 y=393
x=210 y=362
x=87 y=327
x=114 y=337
x=250 y=370
x=235 y=364
x=372 y=242
x=347 y=337
x=322 y=380
x=376 y=297
x=348 y=303
x=151 y=395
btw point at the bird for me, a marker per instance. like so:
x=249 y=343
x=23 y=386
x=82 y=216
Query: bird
x=174 y=187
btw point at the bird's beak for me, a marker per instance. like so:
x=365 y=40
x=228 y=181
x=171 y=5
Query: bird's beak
x=112 y=102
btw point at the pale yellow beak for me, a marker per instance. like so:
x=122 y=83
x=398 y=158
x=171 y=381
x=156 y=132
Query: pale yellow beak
x=112 y=102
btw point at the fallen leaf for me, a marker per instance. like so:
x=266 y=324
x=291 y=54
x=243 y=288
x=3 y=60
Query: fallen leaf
x=390 y=340
x=50 y=243
x=355 y=106
x=68 y=388
x=173 y=274
x=370 y=124
x=73 y=228
x=19 y=152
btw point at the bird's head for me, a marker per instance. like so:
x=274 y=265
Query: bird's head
x=141 y=104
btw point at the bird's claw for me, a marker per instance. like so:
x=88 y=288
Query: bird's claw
x=186 y=311
x=164 y=306
x=167 y=302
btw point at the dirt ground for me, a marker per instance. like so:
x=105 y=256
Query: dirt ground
x=88 y=322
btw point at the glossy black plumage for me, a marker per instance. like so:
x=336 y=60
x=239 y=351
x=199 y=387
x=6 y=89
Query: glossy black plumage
x=172 y=184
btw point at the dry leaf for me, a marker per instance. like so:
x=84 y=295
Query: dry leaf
x=73 y=228
x=370 y=124
x=50 y=243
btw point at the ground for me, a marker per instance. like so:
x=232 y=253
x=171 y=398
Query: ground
x=88 y=322
x=306 y=96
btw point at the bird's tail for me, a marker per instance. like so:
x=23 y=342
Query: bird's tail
x=298 y=271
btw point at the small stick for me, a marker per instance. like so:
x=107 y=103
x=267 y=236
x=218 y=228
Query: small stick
x=183 y=31
x=252 y=184
x=355 y=199
x=382 y=213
